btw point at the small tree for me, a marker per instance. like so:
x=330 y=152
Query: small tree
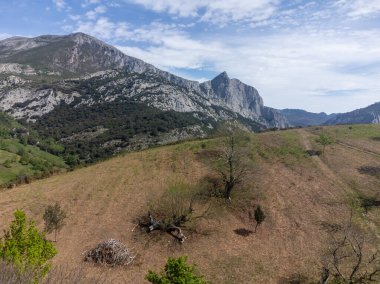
x=176 y=271
x=259 y=216
x=231 y=162
x=324 y=140
x=54 y=218
x=26 y=248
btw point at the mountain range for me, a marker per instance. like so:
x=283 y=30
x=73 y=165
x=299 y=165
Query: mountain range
x=83 y=57
x=96 y=100
x=299 y=117
x=367 y=115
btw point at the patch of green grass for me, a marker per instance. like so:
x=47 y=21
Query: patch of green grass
x=351 y=131
x=283 y=146
x=18 y=161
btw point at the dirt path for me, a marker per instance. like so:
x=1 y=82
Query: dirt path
x=358 y=149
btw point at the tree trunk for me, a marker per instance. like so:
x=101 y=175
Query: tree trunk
x=325 y=275
x=173 y=228
x=257 y=224
x=228 y=190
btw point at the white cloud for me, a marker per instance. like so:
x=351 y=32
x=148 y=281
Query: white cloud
x=219 y=12
x=89 y=2
x=171 y=48
x=103 y=28
x=60 y=4
x=93 y=14
x=359 y=8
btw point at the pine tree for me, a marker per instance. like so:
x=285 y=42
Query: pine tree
x=259 y=216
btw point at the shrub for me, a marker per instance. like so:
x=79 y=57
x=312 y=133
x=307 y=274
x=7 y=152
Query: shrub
x=259 y=216
x=54 y=218
x=25 y=247
x=324 y=140
x=176 y=271
x=176 y=202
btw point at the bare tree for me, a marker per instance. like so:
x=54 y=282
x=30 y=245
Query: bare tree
x=231 y=162
x=349 y=262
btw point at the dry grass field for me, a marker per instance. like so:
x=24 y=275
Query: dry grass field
x=301 y=196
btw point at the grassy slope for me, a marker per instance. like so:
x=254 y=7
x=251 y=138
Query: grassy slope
x=105 y=199
x=11 y=150
x=356 y=146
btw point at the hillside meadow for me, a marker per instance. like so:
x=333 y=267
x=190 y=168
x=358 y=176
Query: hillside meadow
x=304 y=199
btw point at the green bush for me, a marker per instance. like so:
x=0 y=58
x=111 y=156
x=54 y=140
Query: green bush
x=25 y=247
x=324 y=140
x=176 y=271
x=54 y=218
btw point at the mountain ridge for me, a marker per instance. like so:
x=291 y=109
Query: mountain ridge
x=369 y=114
x=81 y=54
x=300 y=117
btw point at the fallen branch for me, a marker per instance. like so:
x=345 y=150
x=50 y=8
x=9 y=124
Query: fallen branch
x=172 y=227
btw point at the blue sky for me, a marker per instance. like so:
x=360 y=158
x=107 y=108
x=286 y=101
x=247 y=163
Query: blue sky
x=315 y=55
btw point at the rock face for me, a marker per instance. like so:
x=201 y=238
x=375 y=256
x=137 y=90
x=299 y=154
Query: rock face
x=38 y=74
x=299 y=117
x=242 y=99
x=370 y=114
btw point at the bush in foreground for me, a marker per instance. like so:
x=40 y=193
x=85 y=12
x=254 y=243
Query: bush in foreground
x=26 y=248
x=176 y=271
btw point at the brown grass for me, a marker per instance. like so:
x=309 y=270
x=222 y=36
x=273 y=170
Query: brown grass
x=104 y=200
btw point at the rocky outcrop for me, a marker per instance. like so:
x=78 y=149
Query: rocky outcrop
x=242 y=99
x=31 y=104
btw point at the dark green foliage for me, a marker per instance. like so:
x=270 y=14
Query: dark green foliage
x=25 y=247
x=54 y=218
x=259 y=216
x=176 y=271
x=118 y=122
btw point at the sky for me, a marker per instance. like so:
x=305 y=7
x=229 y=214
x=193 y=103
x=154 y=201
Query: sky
x=315 y=55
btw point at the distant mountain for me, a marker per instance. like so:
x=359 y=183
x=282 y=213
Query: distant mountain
x=90 y=96
x=299 y=117
x=370 y=114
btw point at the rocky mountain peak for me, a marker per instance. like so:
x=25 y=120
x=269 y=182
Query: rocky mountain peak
x=221 y=77
x=242 y=99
